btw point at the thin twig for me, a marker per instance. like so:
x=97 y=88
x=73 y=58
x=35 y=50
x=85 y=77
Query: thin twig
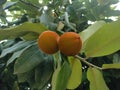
x=88 y=63
x=27 y=3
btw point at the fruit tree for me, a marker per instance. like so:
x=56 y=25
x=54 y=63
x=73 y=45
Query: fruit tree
x=59 y=45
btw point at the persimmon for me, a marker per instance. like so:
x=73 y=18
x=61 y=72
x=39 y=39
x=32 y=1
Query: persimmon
x=70 y=43
x=48 y=42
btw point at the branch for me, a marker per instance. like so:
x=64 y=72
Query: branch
x=88 y=63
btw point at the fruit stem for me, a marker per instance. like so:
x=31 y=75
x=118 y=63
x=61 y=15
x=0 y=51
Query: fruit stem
x=88 y=63
x=57 y=59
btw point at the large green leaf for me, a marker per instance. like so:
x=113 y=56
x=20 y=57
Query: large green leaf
x=96 y=79
x=26 y=77
x=60 y=77
x=43 y=73
x=111 y=66
x=27 y=30
x=87 y=33
x=76 y=74
x=29 y=59
x=105 y=41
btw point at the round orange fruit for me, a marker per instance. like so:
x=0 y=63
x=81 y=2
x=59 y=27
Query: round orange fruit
x=48 y=42
x=70 y=43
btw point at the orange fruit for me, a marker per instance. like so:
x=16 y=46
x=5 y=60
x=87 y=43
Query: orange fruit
x=70 y=43
x=48 y=42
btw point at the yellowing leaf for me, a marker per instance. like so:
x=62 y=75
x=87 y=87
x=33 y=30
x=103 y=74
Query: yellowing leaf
x=76 y=75
x=96 y=79
x=111 y=66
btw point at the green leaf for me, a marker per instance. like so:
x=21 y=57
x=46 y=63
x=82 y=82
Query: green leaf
x=43 y=73
x=111 y=66
x=61 y=76
x=26 y=77
x=87 y=33
x=54 y=77
x=29 y=59
x=26 y=30
x=15 y=86
x=16 y=55
x=7 y=43
x=105 y=41
x=8 y=4
x=76 y=74
x=29 y=8
x=16 y=47
x=96 y=79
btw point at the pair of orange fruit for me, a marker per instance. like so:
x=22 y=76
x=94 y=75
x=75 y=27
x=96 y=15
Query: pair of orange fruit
x=68 y=43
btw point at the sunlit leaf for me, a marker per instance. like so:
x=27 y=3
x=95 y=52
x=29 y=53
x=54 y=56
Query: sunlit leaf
x=76 y=74
x=111 y=66
x=25 y=30
x=105 y=41
x=87 y=33
x=96 y=79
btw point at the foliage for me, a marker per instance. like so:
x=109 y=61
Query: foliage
x=24 y=66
